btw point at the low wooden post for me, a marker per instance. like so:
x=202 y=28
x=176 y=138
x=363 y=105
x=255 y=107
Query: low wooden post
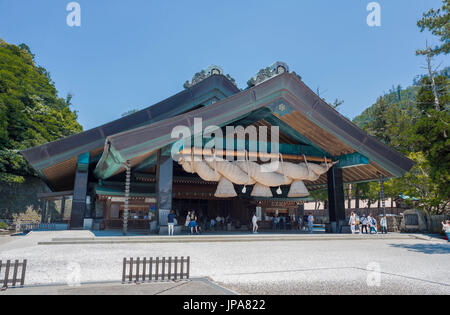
x=24 y=269
x=124 y=270
x=176 y=267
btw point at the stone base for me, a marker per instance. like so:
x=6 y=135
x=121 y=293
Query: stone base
x=421 y=225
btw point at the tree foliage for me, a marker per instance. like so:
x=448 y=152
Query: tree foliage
x=31 y=113
x=407 y=120
x=438 y=23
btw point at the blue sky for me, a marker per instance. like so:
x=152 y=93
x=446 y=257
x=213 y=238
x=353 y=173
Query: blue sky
x=132 y=54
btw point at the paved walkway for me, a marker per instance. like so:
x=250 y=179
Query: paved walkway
x=229 y=237
x=316 y=264
x=192 y=287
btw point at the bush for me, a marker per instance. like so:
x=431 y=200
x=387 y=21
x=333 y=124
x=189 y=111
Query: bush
x=3 y=226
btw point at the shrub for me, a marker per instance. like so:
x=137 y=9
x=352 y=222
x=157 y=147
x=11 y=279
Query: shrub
x=3 y=226
x=30 y=215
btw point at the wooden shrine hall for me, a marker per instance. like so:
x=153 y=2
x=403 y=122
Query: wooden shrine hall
x=123 y=175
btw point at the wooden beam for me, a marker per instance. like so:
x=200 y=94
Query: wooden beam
x=222 y=153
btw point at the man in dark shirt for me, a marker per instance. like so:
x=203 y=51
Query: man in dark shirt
x=171 y=222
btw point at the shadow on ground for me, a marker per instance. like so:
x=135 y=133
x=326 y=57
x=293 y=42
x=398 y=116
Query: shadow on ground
x=440 y=249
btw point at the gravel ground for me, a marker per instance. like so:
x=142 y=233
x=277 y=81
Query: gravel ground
x=296 y=267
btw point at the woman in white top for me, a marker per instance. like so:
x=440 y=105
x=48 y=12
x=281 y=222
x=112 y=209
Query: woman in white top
x=255 y=223
x=352 y=222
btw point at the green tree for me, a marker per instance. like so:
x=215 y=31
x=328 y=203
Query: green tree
x=31 y=113
x=438 y=23
x=431 y=131
x=419 y=184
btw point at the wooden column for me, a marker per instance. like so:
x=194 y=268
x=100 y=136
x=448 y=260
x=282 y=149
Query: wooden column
x=336 y=198
x=80 y=193
x=164 y=183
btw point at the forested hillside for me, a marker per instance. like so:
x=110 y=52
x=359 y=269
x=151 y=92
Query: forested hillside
x=31 y=112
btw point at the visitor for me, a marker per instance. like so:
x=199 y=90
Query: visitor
x=274 y=222
x=364 y=223
x=446 y=228
x=282 y=222
x=213 y=224
x=193 y=223
x=219 y=222
x=300 y=223
x=310 y=223
x=305 y=221
x=288 y=222
x=228 y=222
x=352 y=222
x=255 y=223
x=171 y=222
x=384 y=227
x=187 y=222
x=372 y=224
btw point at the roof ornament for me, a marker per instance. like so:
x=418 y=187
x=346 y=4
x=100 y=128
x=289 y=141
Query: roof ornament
x=277 y=68
x=206 y=73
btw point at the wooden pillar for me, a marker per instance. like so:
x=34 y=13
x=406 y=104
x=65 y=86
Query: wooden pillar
x=336 y=198
x=80 y=193
x=43 y=210
x=164 y=183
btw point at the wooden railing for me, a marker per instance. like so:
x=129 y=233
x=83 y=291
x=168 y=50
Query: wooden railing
x=17 y=277
x=155 y=269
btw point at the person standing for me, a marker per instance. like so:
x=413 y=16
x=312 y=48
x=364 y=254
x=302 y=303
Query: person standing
x=300 y=223
x=255 y=223
x=446 y=228
x=288 y=222
x=372 y=224
x=219 y=222
x=187 y=222
x=305 y=222
x=310 y=223
x=384 y=227
x=352 y=222
x=364 y=224
x=171 y=222
x=193 y=223
x=212 y=224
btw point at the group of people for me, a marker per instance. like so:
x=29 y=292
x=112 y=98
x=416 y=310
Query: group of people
x=367 y=225
x=306 y=223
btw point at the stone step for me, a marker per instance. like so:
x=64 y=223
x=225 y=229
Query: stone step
x=223 y=238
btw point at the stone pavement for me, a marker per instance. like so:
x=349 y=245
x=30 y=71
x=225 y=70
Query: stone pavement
x=194 y=287
x=231 y=237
